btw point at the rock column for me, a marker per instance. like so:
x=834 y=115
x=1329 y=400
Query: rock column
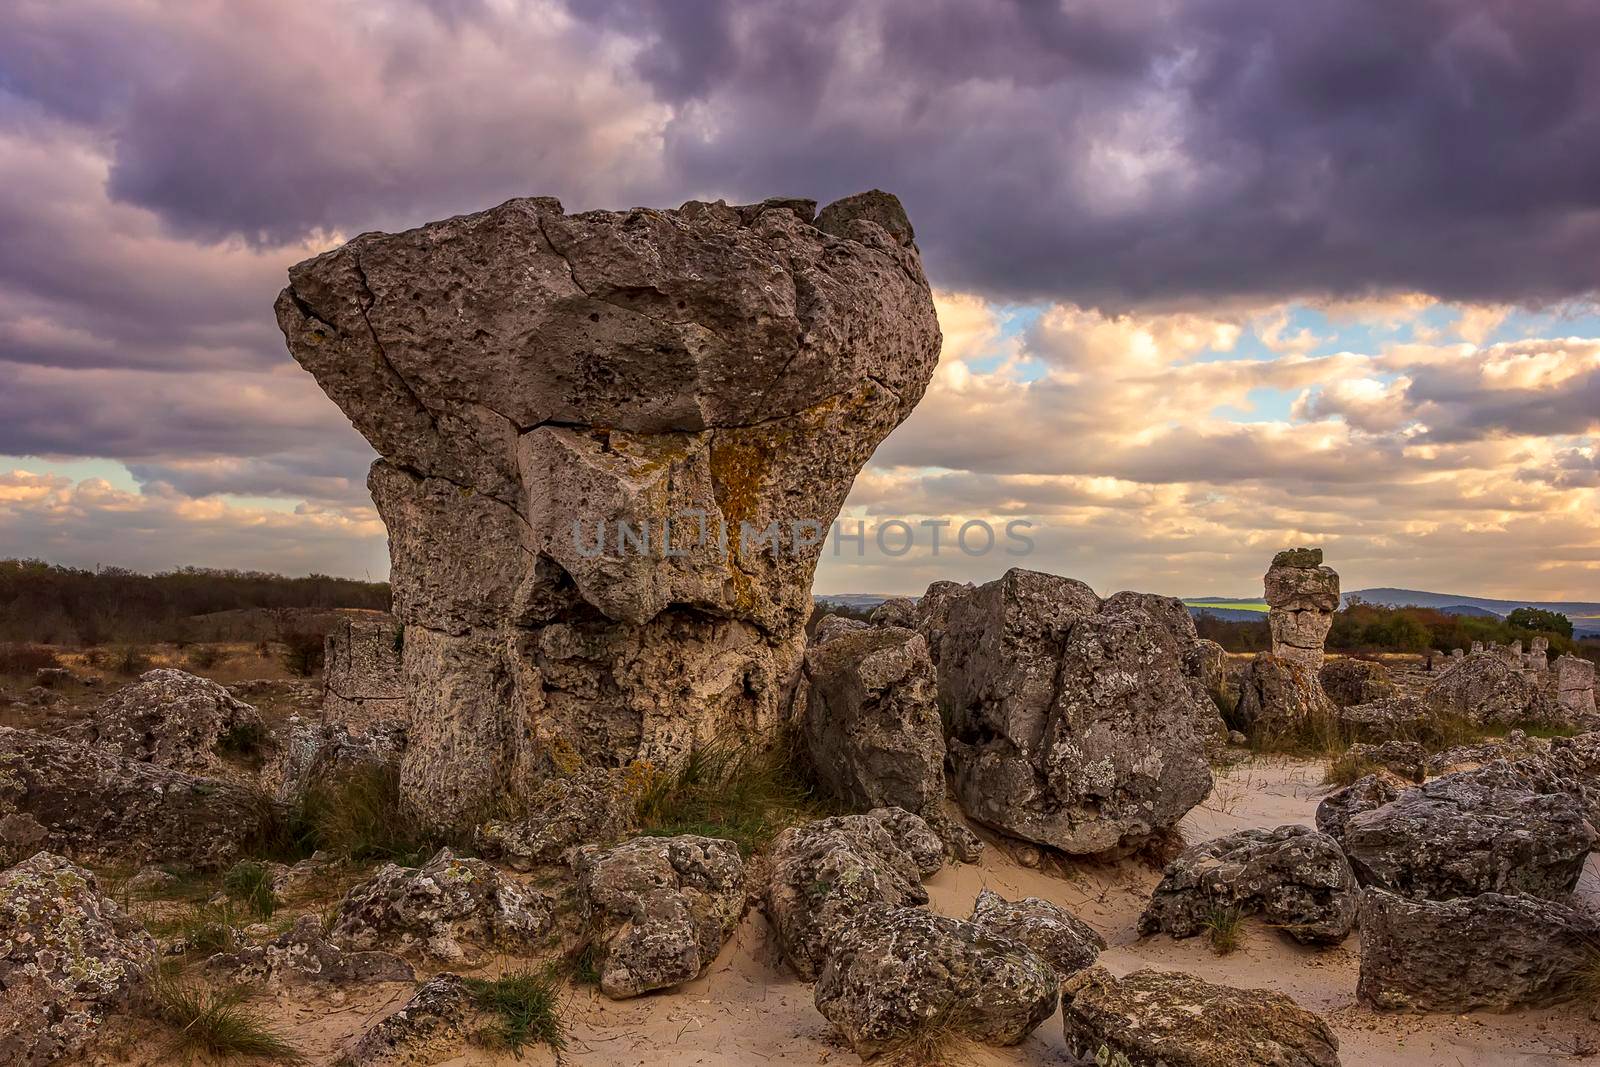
x=1302 y=596
x=611 y=444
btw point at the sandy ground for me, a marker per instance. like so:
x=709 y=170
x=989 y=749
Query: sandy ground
x=746 y=1010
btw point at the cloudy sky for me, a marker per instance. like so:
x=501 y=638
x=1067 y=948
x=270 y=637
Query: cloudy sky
x=1215 y=276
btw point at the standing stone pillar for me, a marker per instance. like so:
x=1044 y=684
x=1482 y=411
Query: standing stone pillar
x=1575 y=685
x=611 y=444
x=1302 y=596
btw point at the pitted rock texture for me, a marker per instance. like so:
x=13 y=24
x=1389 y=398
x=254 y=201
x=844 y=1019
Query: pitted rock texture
x=1062 y=940
x=175 y=719
x=872 y=724
x=68 y=956
x=896 y=611
x=1490 y=951
x=432 y=1027
x=1392 y=718
x=303 y=954
x=933 y=612
x=1496 y=829
x=1302 y=596
x=589 y=807
x=449 y=909
x=824 y=873
x=1482 y=688
x=1403 y=759
x=893 y=974
x=1355 y=681
x=363 y=685
x=1365 y=794
x=312 y=756
x=1515 y=745
x=99 y=807
x=831 y=626
x=1074 y=722
x=659 y=909
x=1279 y=696
x=1575 y=688
x=1293 y=877
x=1166 y=1019
x=550 y=393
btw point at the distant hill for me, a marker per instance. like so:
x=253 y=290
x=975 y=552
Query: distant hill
x=1585 y=614
x=858 y=601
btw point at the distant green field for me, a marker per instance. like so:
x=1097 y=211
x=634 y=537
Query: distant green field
x=1230 y=605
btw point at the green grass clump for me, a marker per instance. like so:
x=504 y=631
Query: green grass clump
x=205 y=929
x=527 y=1004
x=730 y=790
x=250 y=883
x=217 y=1024
x=359 y=816
x=1224 y=928
x=1348 y=769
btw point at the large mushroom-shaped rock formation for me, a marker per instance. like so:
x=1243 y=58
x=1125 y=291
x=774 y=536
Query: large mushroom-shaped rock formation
x=611 y=444
x=1075 y=722
x=1302 y=596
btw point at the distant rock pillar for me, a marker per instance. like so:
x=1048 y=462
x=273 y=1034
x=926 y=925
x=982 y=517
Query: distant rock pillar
x=1575 y=685
x=1302 y=596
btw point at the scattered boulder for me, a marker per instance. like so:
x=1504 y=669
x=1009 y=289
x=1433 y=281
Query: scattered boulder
x=1403 y=759
x=1490 y=951
x=1073 y=724
x=831 y=626
x=1211 y=666
x=1293 y=877
x=894 y=974
x=1365 y=794
x=68 y=956
x=1392 y=718
x=659 y=909
x=432 y=1027
x=321 y=755
x=1575 y=688
x=1064 y=941
x=177 y=720
x=824 y=872
x=1514 y=746
x=1302 y=596
x=1279 y=697
x=593 y=806
x=1473 y=832
x=101 y=807
x=896 y=611
x=1156 y=1018
x=872 y=723
x=303 y=953
x=1483 y=688
x=445 y=909
x=933 y=612
x=707 y=380
x=50 y=677
x=1349 y=682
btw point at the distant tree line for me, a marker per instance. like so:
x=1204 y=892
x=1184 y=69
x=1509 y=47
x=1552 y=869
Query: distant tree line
x=1363 y=627
x=49 y=604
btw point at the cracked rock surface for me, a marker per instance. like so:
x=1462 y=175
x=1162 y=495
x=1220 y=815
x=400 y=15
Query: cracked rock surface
x=536 y=381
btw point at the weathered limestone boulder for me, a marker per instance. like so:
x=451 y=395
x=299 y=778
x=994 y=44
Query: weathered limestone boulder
x=894 y=974
x=823 y=873
x=447 y=909
x=1485 y=689
x=831 y=626
x=1293 y=877
x=1280 y=696
x=1211 y=665
x=312 y=755
x=1489 y=951
x=432 y=1027
x=363 y=683
x=303 y=954
x=99 y=807
x=1174 y=634
x=1064 y=941
x=1489 y=830
x=175 y=719
x=1515 y=745
x=659 y=909
x=1073 y=723
x=68 y=956
x=1166 y=1019
x=1349 y=682
x=1397 y=717
x=611 y=444
x=1302 y=596
x=1365 y=794
x=872 y=723
x=896 y=611
x=1404 y=759
x=1575 y=688
x=588 y=807
x=933 y=612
